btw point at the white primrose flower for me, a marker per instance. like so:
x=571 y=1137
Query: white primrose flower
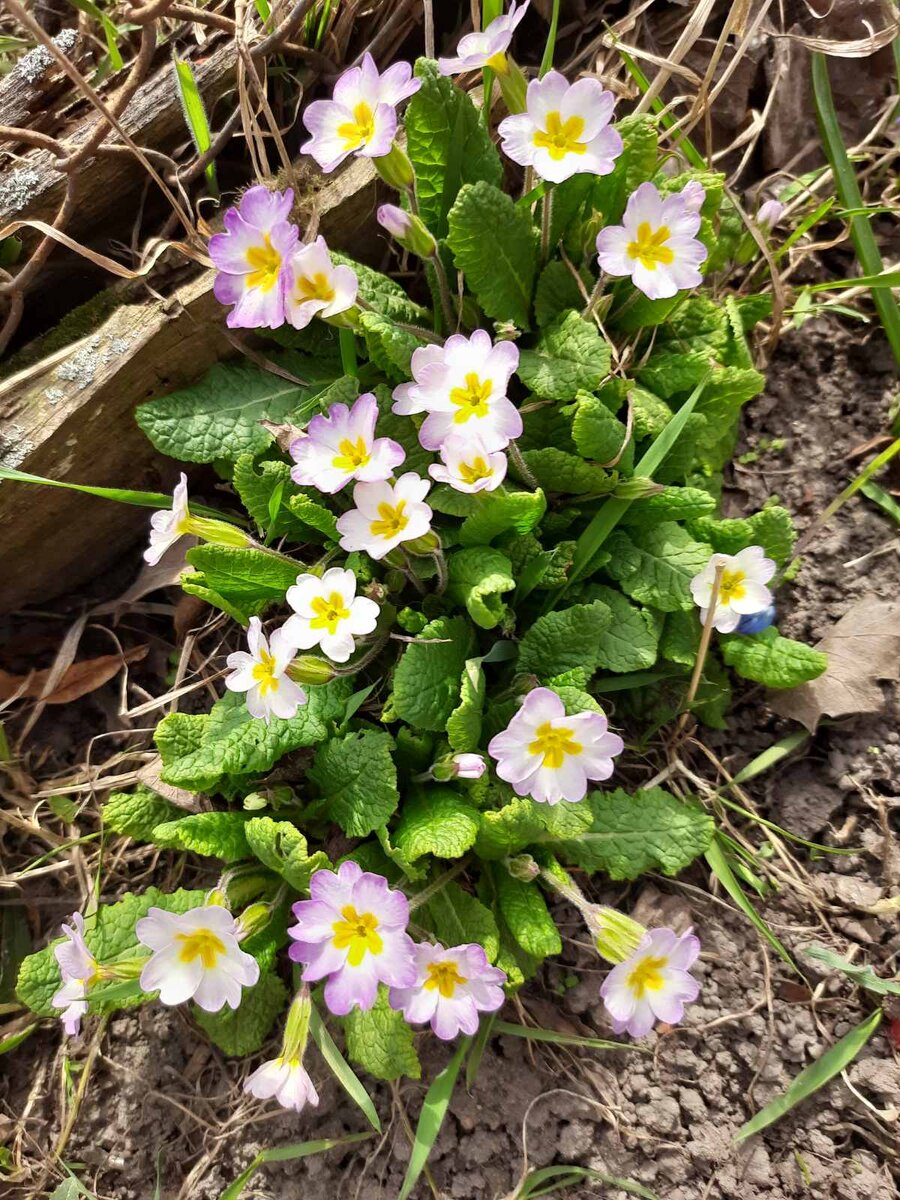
x=361 y=116
x=385 y=515
x=488 y=48
x=565 y=129
x=79 y=970
x=169 y=524
x=653 y=984
x=468 y=466
x=328 y=613
x=196 y=957
x=742 y=587
x=549 y=756
x=342 y=445
x=462 y=386
x=693 y=194
x=656 y=243
x=769 y=214
x=262 y=674
x=287 y=1080
x=452 y=987
x=315 y=286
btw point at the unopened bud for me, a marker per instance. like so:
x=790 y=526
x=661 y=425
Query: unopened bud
x=307 y=668
x=639 y=487
x=523 y=867
x=296 y=1029
x=220 y=533
x=513 y=84
x=252 y=919
x=616 y=936
x=408 y=230
x=395 y=168
x=769 y=214
x=428 y=543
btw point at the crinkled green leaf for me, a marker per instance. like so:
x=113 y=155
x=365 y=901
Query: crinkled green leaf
x=629 y=642
x=563 y=639
x=771 y=527
x=358 y=780
x=390 y=347
x=464 y=723
x=769 y=658
x=381 y=1042
x=555 y=471
x=244 y=1030
x=649 y=414
x=438 y=821
x=136 y=814
x=570 y=356
x=557 y=288
x=455 y=916
x=262 y=486
x=426 y=679
x=598 y=434
x=508 y=830
x=246 y=578
x=281 y=847
x=656 y=565
x=526 y=915
x=315 y=515
x=680 y=638
x=383 y=295
x=499 y=512
x=216 y=834
x=672 y=504
x=479 y=576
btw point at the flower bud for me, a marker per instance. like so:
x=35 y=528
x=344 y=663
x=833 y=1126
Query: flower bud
x=252 y=919
x=615 y=935
x=523 y=867
x=220 y=533
x=513 y=85
x=769 y=214
x=468 y=766
x=428 y=543
x=296 y=1029
x=395 y=168
x=637 y=488
x=307 y=668
x=408 y=230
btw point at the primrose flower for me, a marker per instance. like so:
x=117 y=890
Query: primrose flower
x=742 y=587
x=328 y=613
x=342 y=446
x=196 y=957
x=285 y=1077
x=262 y=674
x=169 y=524
x=769 y=214
x=251 y=258
x=693 y=194
x=79 y=970
x=550 y=756
x=315 y=287
x=468 y=766
x=385 y=515
x=462 y=386
x=565 y=129
x=451 y=988
x=468 y=466
x=653 y=984
x=408 y=229
x=360 y=117
x=655 y=244
x=488 y=48
x=352 y=932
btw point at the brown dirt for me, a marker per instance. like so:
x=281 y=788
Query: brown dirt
x=164 y=1104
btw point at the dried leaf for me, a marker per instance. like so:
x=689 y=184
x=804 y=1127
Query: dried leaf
x=862 y=648
x=77 y=680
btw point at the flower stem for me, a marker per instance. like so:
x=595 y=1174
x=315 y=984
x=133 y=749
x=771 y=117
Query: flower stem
x=546 y=218
x=447 y=306
x=702 y=650
x=348 y=352
x=521 y=466
x=441 y=565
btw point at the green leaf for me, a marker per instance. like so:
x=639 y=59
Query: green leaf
x=341 y=1070
x=216 y=834
x=431 y=1118
x=629 y=643
x=771 y=527
x=136 y=814
x=555 y=471
x=199 y=751
x=680 y=639
x=508 y=830
x=649 y=414
x=448 y=145
x=769 y=658
x=247 y=579
x=525 y=912
x=570 y=356
x=358 y=780
x=383 y=295
x=495 y=245
x=281 y=847
x=464 y=723
x=455 y=916
x=194 y=112
x=634 y=166
x=629 y=835
x=672 y=504
x=563 y=639
x=426 y=679
x=597 y=433
x=862 y=976
x=244 y=1030
x=315 y=515
x=264 y=485
x=436 y=821
x=557 y=287
x=655 y=566
x=381 y=1042
x=478 y=578
x=293 y=1150
x=390 y=347
x=499 y=512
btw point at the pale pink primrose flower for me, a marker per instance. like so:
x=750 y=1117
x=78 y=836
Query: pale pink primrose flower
x=395 y=221
x=169 y=524
x=549 y=756
x=196 y=957
x=79 y=970
x=342 y=446
x=769 y=214
x=742 y=587
x=287 y=1080
x=315 y=286
x=352 y=932
x=262 y=674
x=468 y=766
x=693 y=194
x=467 y=465
x=654 y=984
x=462 y=386
x=488 y=48
x=451 y=988
x=385 y=515
x=656 y=243
x=360 y=117
x=565 y=129
x=328 y=613
x=251 y=258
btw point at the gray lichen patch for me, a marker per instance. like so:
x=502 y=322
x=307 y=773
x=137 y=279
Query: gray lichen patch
x=18 y=189
x=81 y=369
x=36 y=62
x=14 y=446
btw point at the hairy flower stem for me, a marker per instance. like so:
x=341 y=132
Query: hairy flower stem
x=521 y=466
x=442 y=579
x=372 y=653
x=546 y=219
x=451 y=319
x=702 y=650
x=441 y=882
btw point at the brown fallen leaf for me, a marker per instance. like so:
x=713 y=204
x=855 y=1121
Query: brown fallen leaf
x=862 y=648
x=77 y=680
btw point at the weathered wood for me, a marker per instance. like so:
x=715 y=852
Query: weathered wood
x=71 y=417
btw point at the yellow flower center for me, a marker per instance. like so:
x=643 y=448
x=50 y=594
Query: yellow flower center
x=202 y=944
x=329 y=612
x=498 y=62
x=474 y=471
x=731 y=586
x=554 y=744
x=392 y=520
x=314 y=287
x=264 y=673
x=560 y=137
x=647 y=976
x=471 y=400
x=649 y=247
x=360 y=130
x=357 y=932
x=264 y=262
x=353 y=455
x=443 y=977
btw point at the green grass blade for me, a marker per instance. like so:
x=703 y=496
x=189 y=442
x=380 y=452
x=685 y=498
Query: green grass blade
x=479 y=1045
x=564 y=1176
x=811 y=1078
x=882 y=279
x=882 y=498
x=849 y=195
x=721 y=868
x=195 y=115
x=342 y=1070
x=550 y=48
x=286 y=1154
x=110 y=32
x=16 y=1039
x=437 y=1101
x=771 y=756
x=559 y=1039
x=667 y=119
